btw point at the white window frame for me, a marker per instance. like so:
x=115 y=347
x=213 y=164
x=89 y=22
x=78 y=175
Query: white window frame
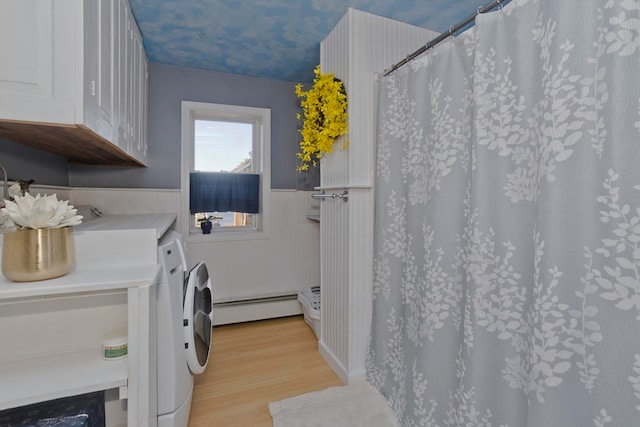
x=261 y=117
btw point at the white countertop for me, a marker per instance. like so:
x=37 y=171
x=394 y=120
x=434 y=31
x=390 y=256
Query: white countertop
x=95 y=279
x=159 y=222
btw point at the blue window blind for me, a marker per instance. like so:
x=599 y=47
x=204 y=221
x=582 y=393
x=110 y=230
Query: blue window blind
x=224 y=192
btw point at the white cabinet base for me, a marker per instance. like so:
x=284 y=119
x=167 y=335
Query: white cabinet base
x=59 y=375
x=51 y=331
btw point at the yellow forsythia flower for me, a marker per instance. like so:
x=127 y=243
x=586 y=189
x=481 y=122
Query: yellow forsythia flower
x=324 y=117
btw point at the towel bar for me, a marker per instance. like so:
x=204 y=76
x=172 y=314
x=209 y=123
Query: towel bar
x=322 y=196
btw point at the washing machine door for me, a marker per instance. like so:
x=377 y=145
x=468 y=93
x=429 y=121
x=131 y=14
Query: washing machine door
x=197 y=318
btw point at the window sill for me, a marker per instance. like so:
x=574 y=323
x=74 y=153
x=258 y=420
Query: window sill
x=226 y=236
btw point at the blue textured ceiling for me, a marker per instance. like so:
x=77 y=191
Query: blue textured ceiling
x=277 y=39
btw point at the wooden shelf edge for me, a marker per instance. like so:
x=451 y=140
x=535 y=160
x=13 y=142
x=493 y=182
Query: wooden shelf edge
x=61 y=375
x=77 y=143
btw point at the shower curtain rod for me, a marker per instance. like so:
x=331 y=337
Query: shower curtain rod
x=452 y=30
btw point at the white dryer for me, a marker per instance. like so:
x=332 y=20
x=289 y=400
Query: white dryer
x=184 y=320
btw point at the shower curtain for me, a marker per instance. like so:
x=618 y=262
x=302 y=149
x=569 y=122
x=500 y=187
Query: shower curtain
x=507 y=234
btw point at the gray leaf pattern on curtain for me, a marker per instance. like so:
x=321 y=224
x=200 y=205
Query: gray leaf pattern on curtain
x=507 y=240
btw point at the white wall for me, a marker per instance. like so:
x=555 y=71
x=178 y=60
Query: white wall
x=359 y=48
x=284 y=262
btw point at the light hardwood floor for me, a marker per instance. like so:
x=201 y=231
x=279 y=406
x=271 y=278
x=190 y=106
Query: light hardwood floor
x=255 y=363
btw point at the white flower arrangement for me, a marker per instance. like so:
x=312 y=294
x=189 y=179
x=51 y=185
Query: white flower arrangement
x=29 y=212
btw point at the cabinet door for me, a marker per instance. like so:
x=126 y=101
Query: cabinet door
x=144 y=102
x=131 y=86
x=139 y=98
x=35 y=85
x=105 y=89
x=98 y=63
x=121 y=66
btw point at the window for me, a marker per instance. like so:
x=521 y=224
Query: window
x=225 y=139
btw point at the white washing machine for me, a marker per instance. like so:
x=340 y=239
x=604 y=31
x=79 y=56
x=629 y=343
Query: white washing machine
x=184 y=319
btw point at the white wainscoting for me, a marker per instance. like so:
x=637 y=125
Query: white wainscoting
x=284 y=262
x=115 y=201
x=357 y=50
x=62 y=193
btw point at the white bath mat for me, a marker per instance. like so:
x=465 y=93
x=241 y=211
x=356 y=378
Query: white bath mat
x=356 y=405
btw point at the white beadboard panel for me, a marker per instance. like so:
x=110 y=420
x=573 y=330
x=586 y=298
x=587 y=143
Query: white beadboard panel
x=334 y=258
x=115 y=201
x=357 y=51
x=286 y=262
x=360 y=278
x=334 y=362
x=62 y=193
x=376 y=43
x=334 y=58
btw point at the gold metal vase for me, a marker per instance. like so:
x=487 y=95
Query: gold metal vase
x=31 y=255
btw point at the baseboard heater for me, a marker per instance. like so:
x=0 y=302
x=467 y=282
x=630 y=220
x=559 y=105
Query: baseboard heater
x=256 y=300
x=255 y=308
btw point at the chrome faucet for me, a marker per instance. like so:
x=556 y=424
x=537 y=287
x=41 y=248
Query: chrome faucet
x=5 y=194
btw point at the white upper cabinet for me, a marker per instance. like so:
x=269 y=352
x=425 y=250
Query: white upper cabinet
x=131 y=80
x=34 y=84
x=136 y=71
x=98 y=54
x=73 y=79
